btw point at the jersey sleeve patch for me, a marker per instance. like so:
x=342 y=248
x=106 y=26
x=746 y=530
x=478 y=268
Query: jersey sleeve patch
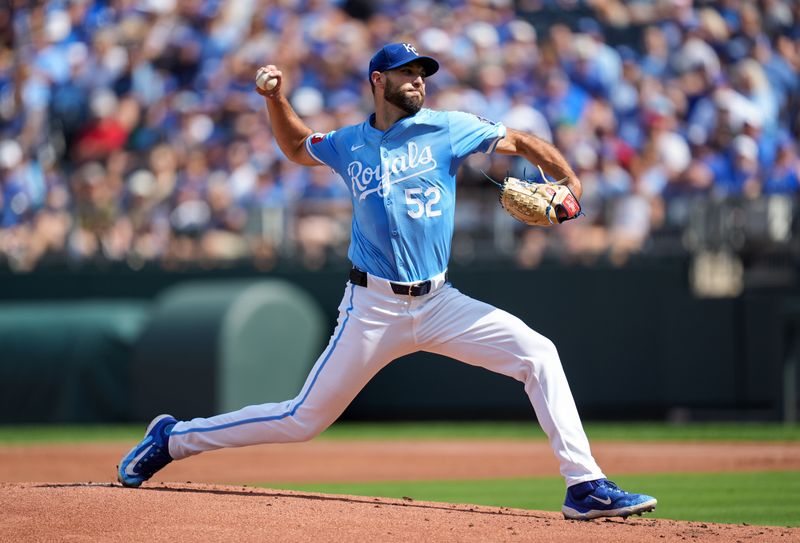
x=312 y=141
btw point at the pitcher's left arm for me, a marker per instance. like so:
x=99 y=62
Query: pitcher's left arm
x=541 y=153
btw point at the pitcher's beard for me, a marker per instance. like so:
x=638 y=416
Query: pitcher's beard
x=410 y=103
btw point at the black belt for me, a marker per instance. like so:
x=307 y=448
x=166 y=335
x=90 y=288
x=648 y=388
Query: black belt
x=359 y=278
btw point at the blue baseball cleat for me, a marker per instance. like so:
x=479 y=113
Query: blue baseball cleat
x=149 y=455
x=602 y=498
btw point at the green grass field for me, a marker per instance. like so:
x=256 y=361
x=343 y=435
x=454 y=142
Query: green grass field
x=638 y=431
x=761 y=498
x=764 y=498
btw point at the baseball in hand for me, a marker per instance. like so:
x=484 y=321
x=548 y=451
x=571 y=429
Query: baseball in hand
x=265 y=81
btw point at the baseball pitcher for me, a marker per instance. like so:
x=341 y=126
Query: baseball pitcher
x=400 y=167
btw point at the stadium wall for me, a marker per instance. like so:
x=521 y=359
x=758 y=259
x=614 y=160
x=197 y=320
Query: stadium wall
x=634 y=341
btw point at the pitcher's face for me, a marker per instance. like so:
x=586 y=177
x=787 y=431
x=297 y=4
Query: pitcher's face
x=405 y=87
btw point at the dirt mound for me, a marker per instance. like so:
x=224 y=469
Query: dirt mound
x=62 y=510
x=194 y=512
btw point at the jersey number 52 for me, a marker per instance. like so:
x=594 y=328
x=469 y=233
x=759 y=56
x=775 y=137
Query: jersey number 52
x=420 y=203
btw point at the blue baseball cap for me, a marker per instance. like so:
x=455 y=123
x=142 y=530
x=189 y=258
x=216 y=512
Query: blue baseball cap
x=395 y=55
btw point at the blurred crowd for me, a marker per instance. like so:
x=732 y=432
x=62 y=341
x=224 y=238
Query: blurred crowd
x=130 y=131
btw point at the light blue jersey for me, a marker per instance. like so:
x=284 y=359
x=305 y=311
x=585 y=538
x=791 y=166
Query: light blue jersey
x=403 y=186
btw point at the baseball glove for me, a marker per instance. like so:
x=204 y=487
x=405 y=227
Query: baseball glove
x=538 y=203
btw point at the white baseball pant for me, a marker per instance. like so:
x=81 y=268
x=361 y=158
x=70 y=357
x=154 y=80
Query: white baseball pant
x=376 y=326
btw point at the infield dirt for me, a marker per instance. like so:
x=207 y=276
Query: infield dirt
x=66 y=506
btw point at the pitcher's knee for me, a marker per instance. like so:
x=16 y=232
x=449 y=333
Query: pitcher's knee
x=534 y=344
x=542 y=358
x=536 y=354
x=549 y=350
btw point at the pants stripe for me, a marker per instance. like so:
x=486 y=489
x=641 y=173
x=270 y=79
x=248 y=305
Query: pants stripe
x=302 y=400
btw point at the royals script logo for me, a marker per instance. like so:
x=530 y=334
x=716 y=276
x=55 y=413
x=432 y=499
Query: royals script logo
x=413 y=162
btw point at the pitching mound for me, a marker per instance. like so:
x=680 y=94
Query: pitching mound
x=195 y=512
x=62 y=510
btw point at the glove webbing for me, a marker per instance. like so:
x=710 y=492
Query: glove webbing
x=544 y=181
